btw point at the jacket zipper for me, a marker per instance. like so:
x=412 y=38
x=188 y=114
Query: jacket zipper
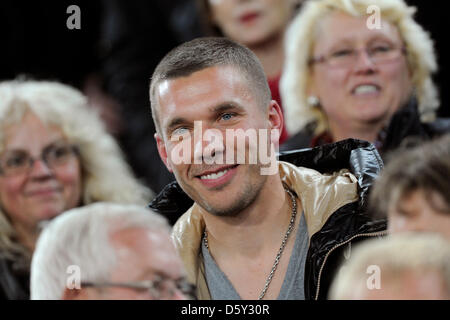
x=372 y=234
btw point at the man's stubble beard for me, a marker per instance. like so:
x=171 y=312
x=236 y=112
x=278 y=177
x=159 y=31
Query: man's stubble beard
x=247 y=195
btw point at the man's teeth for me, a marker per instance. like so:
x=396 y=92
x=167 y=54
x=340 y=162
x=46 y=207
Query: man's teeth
x=366 y=89
x=214 y=175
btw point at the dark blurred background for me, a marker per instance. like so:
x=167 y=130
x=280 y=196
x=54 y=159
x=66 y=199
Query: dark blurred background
x=111 y=58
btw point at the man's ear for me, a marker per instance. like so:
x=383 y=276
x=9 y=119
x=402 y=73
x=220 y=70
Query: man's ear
x=276 y=120
x=162 y=151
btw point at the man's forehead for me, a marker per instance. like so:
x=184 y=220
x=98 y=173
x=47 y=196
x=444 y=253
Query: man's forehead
x=201 y=81
x=170 y=90
x=150 y=251
x=138 y=236
x=143 y=242
x=201 y=91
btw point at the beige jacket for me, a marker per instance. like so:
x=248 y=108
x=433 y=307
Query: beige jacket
x=320 y=196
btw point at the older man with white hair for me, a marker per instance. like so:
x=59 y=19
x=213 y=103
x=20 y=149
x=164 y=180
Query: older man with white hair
x=107 y=251
x=405 y=266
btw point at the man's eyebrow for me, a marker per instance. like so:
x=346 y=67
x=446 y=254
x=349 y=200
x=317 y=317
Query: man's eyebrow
x=227 y=106
x=176 y=122
x=223 y=107
x=155 y=272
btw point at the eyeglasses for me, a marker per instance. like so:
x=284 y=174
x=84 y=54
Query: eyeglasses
x=17 y=162
x=343 y=58
x=160 y=288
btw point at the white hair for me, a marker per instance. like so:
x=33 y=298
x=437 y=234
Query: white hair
x=394 y=255
x=81 y=237
x=299 y=44
x=105 y=174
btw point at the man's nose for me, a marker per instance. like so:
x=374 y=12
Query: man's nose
x=209 y=147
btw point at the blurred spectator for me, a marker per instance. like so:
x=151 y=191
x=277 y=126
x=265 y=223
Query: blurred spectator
x=110 y=59
x=400 y=267
x=55 y=155
x=414 y=189
x=258 y=24
x=184 y=20
x=114 y=251
x=346 y=79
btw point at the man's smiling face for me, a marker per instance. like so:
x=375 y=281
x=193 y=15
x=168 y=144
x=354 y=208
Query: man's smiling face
x=220 y=98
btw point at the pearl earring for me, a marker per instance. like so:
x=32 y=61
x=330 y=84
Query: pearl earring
x=313 y=101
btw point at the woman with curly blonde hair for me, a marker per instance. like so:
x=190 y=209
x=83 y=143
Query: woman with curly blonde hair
x=359 y=69
x=55 y=154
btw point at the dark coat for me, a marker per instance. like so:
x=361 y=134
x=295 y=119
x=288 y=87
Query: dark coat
x=14 y=284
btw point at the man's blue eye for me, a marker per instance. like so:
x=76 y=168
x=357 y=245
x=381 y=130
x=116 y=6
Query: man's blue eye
x=182 y=131
x=227 y=116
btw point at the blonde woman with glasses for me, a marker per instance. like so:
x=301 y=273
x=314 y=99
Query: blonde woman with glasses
x=359 y=69
x=55 y=155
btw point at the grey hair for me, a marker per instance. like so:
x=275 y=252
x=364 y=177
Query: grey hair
x=394 y=255
x=81 y=237
x=299 y=42
x=105 y=174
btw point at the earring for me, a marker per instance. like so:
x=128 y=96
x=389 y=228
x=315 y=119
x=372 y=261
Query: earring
x=313 y=101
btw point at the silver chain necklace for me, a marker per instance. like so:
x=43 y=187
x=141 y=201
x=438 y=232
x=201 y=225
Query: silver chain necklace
x=280 y=251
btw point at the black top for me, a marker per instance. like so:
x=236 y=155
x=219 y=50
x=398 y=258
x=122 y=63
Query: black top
x=14 y=284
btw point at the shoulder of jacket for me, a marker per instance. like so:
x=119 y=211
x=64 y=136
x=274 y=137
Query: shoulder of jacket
x=320 y=194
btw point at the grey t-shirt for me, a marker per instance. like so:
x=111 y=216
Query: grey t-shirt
x=292 y=288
